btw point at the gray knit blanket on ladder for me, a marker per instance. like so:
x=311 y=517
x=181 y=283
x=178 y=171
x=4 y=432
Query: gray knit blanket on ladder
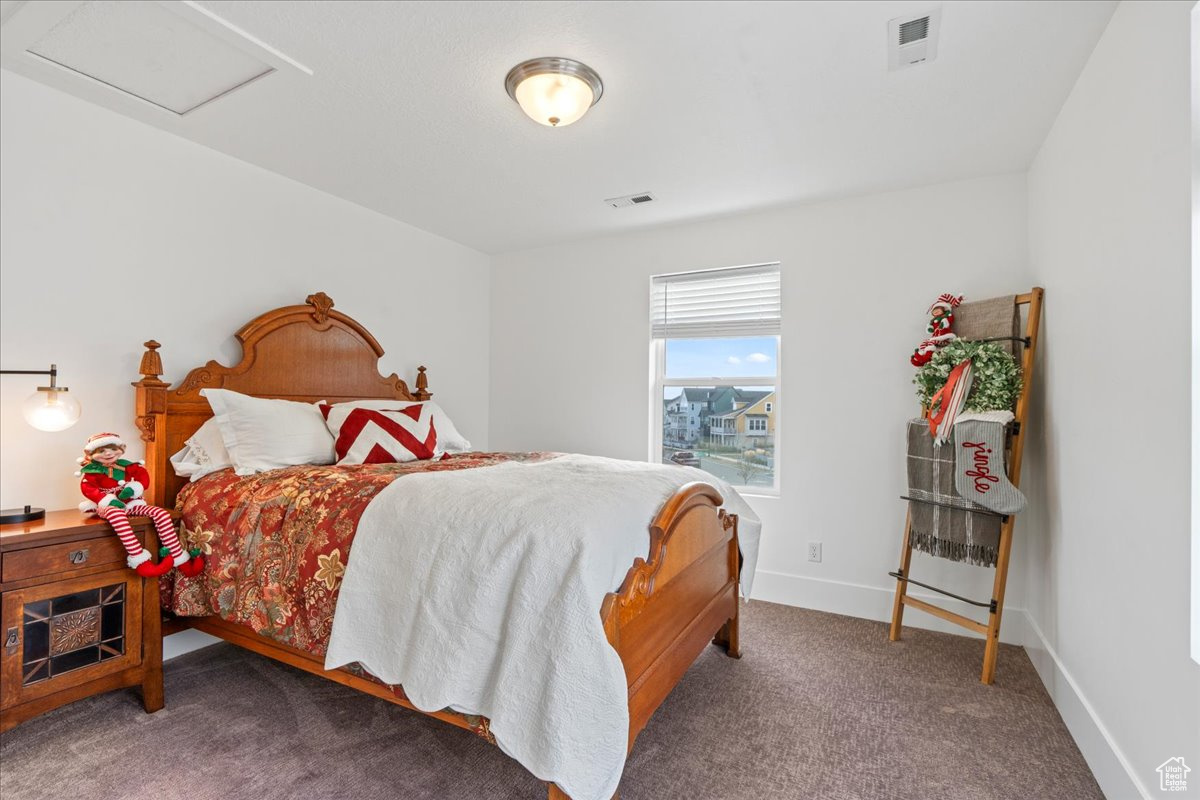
x=949 y=530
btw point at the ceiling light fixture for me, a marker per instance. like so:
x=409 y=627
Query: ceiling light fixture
x=554 y=91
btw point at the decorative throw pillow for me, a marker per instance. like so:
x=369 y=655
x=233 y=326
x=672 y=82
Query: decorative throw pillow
x=203 y=454
x=185 y=463
x=404 y=432
x=263 y=434
x=449 y=439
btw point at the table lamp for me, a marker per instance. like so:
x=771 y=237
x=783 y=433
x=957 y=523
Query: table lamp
x=50 y=408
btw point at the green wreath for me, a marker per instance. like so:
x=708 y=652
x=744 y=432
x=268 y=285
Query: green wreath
x=997 y=381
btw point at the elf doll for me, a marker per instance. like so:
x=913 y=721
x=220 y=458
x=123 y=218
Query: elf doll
x=114 y=487
x=941 y=317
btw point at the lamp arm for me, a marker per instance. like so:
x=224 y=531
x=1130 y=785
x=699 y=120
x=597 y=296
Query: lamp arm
x=52 y=372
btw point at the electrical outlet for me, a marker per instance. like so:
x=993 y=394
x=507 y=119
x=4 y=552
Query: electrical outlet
x=814 y=552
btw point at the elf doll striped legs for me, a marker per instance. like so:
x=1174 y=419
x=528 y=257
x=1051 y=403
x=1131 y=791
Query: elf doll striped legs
x=189 y=564
x=140 y=559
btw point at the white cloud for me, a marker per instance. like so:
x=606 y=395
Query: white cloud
x=758 y=358
x=734 y=360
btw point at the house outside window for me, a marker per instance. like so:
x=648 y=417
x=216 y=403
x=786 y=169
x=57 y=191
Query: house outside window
x=715 y=339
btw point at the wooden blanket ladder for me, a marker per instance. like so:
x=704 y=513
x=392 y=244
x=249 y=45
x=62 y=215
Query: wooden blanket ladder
x=995 y=607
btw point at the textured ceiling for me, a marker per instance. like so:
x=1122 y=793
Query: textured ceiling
x=715 y=107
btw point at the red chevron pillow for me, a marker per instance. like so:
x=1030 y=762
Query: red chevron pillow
x=371 y=436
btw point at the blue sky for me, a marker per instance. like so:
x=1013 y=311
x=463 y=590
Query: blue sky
x=724 y=358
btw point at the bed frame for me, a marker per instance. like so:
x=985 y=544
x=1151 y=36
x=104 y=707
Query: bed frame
x=670 y=606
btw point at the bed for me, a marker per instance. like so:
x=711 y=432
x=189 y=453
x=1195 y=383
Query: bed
x=674 y=602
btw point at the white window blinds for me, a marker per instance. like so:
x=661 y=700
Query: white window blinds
x=740 y=301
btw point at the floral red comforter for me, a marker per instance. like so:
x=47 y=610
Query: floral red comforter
x=277 y=543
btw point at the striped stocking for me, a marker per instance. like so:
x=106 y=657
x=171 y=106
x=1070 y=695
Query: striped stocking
x=165 y=528
x=190 y=564
x=120 y=522
x=140 y=558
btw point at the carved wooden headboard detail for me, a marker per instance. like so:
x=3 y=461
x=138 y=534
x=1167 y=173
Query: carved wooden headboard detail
x=305 y=353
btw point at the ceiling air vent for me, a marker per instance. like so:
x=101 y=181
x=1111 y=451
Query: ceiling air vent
x=630 y=200
x=913 y=40
x=914 y=30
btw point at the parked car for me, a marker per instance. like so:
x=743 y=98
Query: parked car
x=686 y=458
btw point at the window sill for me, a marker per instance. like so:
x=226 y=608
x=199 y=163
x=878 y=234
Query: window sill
x=770 y=494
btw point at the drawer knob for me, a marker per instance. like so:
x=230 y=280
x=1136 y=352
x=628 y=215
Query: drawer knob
x=78 y=556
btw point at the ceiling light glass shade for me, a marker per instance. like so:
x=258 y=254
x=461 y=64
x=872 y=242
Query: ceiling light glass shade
x=51 y=410
x=554 y=91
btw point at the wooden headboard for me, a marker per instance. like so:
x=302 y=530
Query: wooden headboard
x=307 y=353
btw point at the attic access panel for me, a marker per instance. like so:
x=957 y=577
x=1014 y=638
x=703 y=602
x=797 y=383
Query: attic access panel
x=149 y=52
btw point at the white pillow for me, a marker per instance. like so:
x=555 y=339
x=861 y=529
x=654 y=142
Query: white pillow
x=185 y=464
x=449 y=439
x=203 y=454
x=263 y=434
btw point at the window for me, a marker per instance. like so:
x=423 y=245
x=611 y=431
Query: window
x=715 y=338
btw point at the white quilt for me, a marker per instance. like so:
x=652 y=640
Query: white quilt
x=487 y=599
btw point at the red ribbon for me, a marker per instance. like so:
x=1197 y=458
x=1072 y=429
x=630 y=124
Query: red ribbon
x=938 y=403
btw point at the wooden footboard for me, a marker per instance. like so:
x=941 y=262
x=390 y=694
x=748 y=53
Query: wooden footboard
x=670 y=607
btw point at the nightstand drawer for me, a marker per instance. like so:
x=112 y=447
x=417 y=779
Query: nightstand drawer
x=19 y=564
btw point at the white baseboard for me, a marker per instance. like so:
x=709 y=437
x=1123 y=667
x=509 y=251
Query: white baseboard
x=185 y=642
x=875 y=602
x=1108 y=763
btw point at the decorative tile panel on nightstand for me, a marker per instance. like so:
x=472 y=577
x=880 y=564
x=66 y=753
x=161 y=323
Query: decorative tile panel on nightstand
x=73 y=631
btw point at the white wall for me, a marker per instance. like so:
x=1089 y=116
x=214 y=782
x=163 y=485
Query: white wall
x=1108 y=562
x=1195 y=333
x=115 y=232
x=570 y=363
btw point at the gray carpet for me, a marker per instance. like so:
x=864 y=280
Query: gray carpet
x=821 y=706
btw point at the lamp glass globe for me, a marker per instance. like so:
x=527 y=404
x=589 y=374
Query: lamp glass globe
x=51 y=411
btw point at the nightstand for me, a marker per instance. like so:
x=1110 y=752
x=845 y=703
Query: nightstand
x=75 y=620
